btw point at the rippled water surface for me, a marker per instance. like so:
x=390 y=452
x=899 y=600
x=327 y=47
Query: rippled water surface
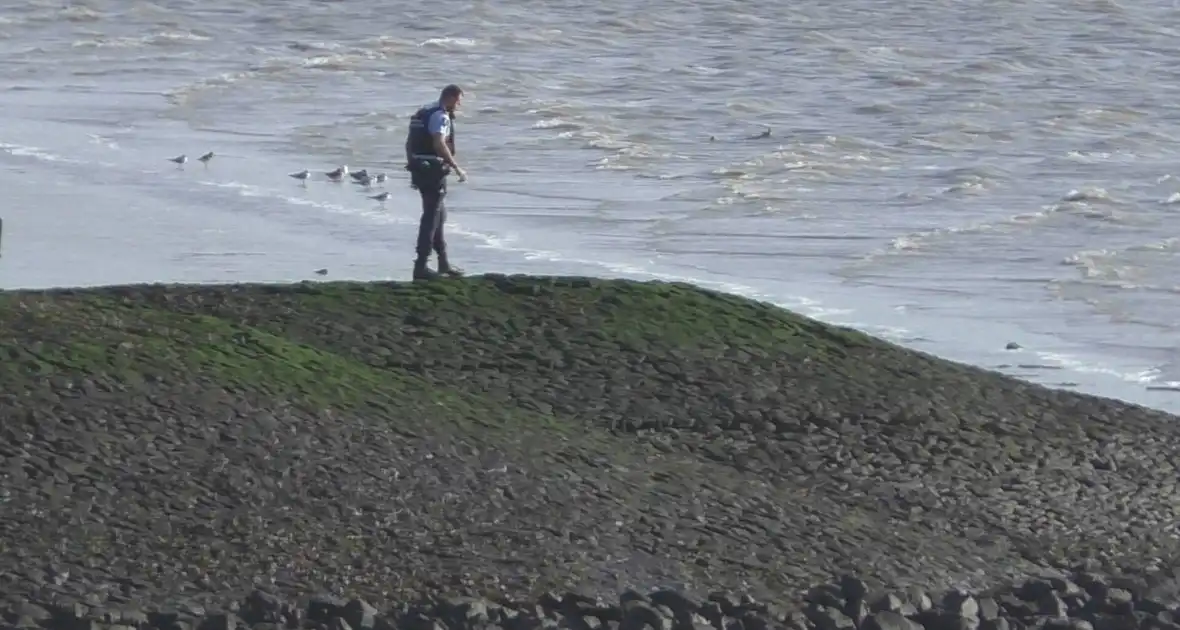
x=952 y=175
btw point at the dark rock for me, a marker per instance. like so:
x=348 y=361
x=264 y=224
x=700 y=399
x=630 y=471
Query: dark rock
x=730 y=605
x=1064 y=587
x=1075 y=604
x=640 y=615
x=1035 y=589
x=219 y=621
x=1119 y=601
x=261 y=607
x=857 y=610
x=943 y=620
x=888 y=620
x=751 y=620
x=798 y=621
x=323 y=608
x=681 y=605
x=828 y=595
x=1015 y=606
x=1116 y=622
x=711 y=612
x=853 y=588
x=471 y=611
x=1050 y=604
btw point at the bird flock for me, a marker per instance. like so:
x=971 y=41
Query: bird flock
x=360 y=178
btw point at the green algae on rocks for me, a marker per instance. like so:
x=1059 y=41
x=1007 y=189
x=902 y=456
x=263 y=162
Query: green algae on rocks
x=519 y=434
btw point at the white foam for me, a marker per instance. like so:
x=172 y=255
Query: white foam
x=447 y=42
x=375 y=214
x=1076 y=364
x=34 y=152
x=556 y=123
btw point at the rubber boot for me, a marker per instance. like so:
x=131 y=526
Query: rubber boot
x=445 y=267
x=422 y=272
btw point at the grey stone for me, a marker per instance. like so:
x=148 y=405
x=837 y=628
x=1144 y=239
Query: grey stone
x=960 y=603
x=988 y=608
x=135 y=618
x=918 y=598
x=31 y=611
x=829 y=618
x=363 y=616
x=887 y=602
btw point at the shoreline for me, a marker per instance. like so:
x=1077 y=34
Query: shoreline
x=1068 y=368
x=1054 y=362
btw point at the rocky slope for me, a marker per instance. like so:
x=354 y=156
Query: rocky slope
x=508 y=436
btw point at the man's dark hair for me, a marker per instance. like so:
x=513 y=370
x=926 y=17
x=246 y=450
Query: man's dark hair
x=451 y=91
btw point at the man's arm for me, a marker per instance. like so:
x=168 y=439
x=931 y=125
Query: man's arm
x=438 y=127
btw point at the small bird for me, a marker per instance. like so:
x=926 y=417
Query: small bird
x=205 y=158
x=383 y=197
x=359 y=175
x=321 y=272
x=180 y=159
x=301 y=175
x=379 y=178
x=337 y=174
x=365 y=181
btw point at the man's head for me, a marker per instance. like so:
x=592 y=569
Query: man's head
x=450 y=97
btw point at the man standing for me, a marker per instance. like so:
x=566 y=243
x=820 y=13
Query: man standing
x=430 y=157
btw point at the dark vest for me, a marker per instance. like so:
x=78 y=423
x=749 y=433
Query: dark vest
x=421 y=143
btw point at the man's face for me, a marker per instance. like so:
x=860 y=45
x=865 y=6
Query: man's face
x=453 y=103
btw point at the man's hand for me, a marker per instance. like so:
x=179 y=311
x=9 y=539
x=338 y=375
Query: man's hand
x=461 y=173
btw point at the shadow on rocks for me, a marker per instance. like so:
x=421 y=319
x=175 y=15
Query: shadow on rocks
x=1080 y=601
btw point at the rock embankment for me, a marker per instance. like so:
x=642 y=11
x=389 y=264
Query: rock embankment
x=1083 y=601
x=509 y=436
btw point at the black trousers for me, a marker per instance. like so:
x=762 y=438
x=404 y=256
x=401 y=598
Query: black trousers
x=431 y=183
